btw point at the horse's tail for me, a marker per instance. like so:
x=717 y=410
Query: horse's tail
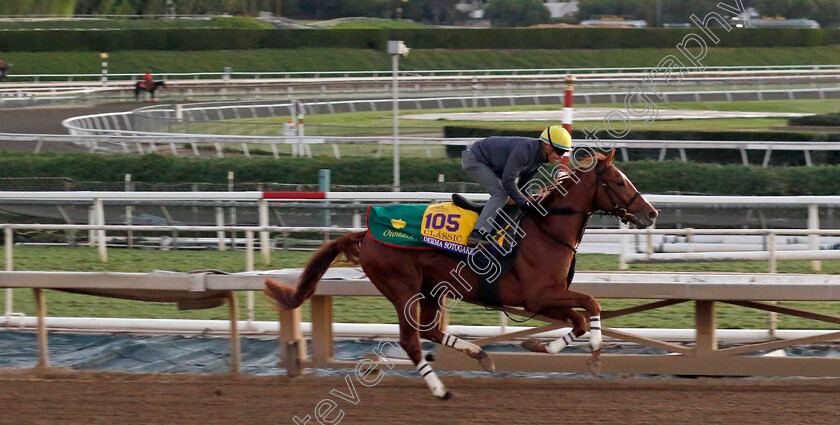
x=289 y=298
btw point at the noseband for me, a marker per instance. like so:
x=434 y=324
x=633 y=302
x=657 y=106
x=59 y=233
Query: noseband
x=618 y=210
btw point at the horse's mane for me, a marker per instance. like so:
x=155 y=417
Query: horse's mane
x=565 y=180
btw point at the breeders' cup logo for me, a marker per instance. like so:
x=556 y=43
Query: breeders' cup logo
x=397 y=223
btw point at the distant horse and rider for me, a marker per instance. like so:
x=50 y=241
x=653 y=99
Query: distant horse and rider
x=537 y=282
x=147 y=85
x=4 y=69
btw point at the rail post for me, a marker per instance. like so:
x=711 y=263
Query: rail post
x=104 y=77
x=129 y=211
x=92 y=222
x=772 y=316
x=265 y=248
x=249 y=267
x=235 y=344
x=41 y=312
x=322 y=335
x=568 y=100
x=706 y=342
x=232 y=212
x=324 y=186
x=292 y=344
x=8 y=240
x=623 y=246
x=395 y=66
x=99 y=213
x=304 y=148
x=220 y=223
x=814 y=240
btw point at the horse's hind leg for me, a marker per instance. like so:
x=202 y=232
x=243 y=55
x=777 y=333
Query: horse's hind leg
x=429 y=314
x=410 y=342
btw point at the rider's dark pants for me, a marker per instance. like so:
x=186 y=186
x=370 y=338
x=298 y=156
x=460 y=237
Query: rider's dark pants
x=488 y=180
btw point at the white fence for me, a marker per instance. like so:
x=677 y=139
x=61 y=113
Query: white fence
x=771 y=250
x=704 y=358
x=160 y=119
x=149 y=129
x=709 y=70
x=196 y=144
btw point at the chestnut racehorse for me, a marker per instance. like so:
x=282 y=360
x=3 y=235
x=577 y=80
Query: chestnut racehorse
x=537 y=281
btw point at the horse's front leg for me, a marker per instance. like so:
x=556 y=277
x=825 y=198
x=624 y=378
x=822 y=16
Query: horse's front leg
x=566 y=300
x=562 y=314
x=429 y=313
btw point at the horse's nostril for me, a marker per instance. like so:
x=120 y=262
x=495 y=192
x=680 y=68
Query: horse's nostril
x=653 y=214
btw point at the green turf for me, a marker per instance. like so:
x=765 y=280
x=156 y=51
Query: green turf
x=365 y=309
x=369 y=23
x=133 y=24
x=314 y=59
x=380 y=123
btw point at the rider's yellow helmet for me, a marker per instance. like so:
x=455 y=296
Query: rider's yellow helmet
x=558 y=138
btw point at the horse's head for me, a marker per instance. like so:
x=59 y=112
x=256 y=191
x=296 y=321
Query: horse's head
x=616 y=194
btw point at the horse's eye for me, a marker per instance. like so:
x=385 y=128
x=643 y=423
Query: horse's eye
x=621 y=183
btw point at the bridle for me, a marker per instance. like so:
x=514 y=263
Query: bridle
x=615 y=197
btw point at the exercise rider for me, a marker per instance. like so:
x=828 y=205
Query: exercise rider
x=503 y=165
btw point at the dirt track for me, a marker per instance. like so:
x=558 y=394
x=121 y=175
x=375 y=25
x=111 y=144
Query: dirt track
x=47 y=120
x=62 y=396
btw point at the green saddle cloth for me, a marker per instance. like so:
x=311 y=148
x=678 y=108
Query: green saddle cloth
x=397 y=225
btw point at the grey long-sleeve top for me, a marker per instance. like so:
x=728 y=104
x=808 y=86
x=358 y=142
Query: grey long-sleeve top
x=511 y=158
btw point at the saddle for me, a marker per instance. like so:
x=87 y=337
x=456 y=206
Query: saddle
x=505 y=256
x=460 y=201
x=488 y=289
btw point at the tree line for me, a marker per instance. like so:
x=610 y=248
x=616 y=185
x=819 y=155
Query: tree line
x=433 y=11
x=658 y=12
x=502 y=13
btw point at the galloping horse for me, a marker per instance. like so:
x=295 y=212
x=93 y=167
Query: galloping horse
x=144 y=86
x=536 y=282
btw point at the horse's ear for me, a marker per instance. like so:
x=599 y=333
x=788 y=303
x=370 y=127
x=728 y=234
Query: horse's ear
x=610 y=156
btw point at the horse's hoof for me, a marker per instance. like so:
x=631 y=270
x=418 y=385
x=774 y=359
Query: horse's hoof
x=534 y=345
x=430 y=357
x=447 y=396
x=486 y=362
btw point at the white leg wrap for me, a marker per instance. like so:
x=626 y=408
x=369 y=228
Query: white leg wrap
x=459 y=344
x=595 y=333
x=555 y=346
x=431 y=379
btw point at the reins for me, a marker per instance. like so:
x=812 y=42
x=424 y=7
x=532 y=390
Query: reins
x=618 y=211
